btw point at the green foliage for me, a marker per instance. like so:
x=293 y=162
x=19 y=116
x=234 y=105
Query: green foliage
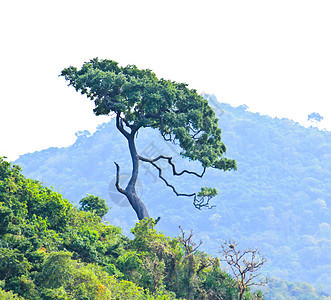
x=205 y=191
x=6 y=216
x=280 y=289
x=12 y=264
x=94 y=204
x=60 y=252
x=179 y=113
x=278 y=199
x=47 y=204
x=159 y=263
x=9 y=295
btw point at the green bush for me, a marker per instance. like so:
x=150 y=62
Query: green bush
x=51 y=250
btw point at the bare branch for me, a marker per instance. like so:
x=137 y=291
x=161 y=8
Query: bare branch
x=117 y=184
x=242 y=265
x=203 y=201
x=194 y=136
x=188 y=243
x=119 y=125
x=167 y=139
x=161 y=176
x=169 y=159
x=198 y=201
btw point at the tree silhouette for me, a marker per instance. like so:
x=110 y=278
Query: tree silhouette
x=139 y=100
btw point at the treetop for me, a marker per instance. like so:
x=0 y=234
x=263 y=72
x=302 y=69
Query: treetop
x=140 y=99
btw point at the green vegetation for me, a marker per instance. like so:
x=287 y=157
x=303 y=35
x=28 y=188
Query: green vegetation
x=94 y=204
x=284 y=290
x=278 y=200
x=49 y=249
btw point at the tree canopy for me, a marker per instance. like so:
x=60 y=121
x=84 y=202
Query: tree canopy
x=94 y=204
x=139 y=99
x=143 y=100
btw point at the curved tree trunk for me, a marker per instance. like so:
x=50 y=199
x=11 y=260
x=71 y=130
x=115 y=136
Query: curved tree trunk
x=131 y=194
x=130 y=190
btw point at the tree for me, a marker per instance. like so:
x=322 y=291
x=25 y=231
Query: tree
x=139 y=99
x=244 y=265
x=94 y=204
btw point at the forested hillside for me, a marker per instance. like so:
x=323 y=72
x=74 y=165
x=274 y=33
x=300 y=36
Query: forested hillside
x=50 y=249
x=278 y=200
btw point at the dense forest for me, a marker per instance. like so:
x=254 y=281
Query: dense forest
x=50 y=249
x=278 y=200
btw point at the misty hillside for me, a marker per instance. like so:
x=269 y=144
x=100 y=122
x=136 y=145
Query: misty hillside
x=278 y=200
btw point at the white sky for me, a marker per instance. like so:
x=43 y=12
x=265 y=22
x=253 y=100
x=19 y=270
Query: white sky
x=274 y=56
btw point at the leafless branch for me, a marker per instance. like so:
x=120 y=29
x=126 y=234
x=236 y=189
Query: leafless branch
x=119 y=125
x=243 y=265
x=169 y=159
x=117 y=184
x=161 y=176
x=189 y=245
x=198 y=201
x=203 y=201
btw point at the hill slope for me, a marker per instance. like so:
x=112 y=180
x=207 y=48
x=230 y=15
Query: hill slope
x=52 y=250
x=278 y=200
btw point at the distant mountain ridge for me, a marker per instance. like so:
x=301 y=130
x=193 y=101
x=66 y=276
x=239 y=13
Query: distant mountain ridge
x=278 y=200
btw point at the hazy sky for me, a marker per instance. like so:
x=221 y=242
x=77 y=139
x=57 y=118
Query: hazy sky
x=274 y=56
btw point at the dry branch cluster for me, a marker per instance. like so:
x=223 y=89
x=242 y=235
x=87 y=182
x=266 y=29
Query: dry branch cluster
x=244 y=265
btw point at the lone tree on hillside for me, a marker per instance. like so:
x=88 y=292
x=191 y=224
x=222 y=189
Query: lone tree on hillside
x=139 y=99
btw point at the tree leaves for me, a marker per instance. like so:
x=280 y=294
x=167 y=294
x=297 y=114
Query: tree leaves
x=143 y=100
